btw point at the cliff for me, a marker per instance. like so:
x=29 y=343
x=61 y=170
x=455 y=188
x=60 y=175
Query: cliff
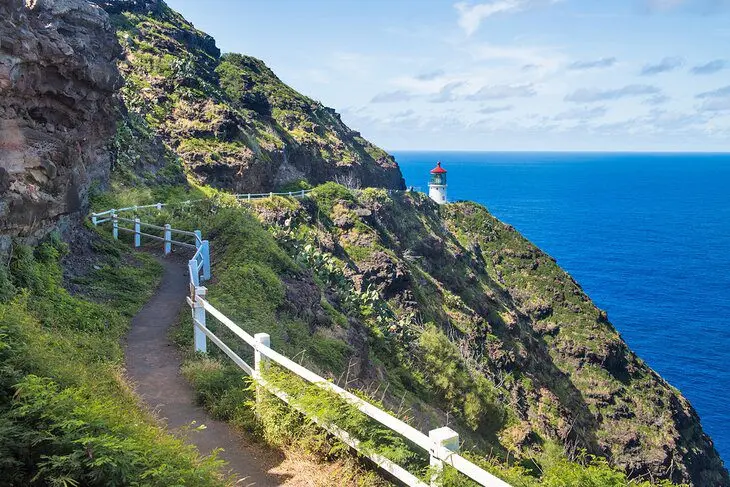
x=469 y=318
x=231 y=121
x=444 y=310
x=57 y=77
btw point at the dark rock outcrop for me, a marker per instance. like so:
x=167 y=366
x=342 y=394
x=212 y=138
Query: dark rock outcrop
x=57 y=80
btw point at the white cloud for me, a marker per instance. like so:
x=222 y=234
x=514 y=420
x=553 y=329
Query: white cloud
x=594 y=95
x=501 y=92
x=446 y=94
x=581 y=113
x=537 y=58
x=471 y=16
x=495 y=109
x=392 y=97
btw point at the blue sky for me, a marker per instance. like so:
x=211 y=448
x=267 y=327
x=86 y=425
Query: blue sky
x=498 y=74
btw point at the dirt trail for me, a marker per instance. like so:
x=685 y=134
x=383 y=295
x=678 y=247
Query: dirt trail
x=153 y=366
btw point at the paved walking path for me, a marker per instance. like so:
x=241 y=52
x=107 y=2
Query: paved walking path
x=153 y=366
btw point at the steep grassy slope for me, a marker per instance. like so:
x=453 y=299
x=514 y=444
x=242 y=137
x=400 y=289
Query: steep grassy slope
x=472 y=317
x=232 y=122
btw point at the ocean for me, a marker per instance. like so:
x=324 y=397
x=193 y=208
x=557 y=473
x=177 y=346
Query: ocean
x=646 y=235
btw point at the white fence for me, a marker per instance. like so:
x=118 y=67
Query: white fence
x=441 y=444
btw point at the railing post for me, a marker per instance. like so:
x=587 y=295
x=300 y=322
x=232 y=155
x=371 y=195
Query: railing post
x=93 y=219
x=302 y=193
x=198 y=238
x=115 y=225
x=259 y=362
x=159 y=206
x=271 y=195
x=168 y=239
x=201 y=340
x=193 y=270
x=443 y=438
x=206 y=260
x=137 y=236
x=290 y=193
x=259 y=359
x=249 y=196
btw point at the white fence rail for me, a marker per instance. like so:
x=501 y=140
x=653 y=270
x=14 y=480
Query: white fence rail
x=441 y=444
x=104 y=216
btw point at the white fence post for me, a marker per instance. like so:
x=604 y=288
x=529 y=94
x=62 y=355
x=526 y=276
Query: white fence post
x=302 y=193
x=443 y=438
x=206 y=260
x=115 y=225
x=93 y=219
x=259 y=361
x=193 y=271
x=168 y=239
x=271 y=195
x=198 y=239
x=249 y=197
x=201 y=341
x=137 y=236
x=159 y=206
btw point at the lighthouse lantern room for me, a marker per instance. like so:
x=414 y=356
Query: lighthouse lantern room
x=437 y=185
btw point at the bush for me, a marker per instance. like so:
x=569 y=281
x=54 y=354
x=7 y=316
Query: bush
x=471 y=396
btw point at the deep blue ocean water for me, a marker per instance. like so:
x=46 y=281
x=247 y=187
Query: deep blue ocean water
x=646 y=235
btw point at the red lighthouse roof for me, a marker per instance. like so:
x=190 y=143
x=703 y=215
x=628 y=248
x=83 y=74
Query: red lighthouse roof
x=438 y=169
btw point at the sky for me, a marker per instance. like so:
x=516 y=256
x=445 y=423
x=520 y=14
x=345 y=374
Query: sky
x=563 y=75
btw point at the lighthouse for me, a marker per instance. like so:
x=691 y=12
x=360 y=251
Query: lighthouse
x=437 y=185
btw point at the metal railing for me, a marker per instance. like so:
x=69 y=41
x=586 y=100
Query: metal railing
x=441 y=444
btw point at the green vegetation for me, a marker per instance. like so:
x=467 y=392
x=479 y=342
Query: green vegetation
x=258 y=266
x=450 y=315
x=67 y=417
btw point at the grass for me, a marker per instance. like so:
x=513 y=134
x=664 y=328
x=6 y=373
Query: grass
x=67 y=416
x=253 y=272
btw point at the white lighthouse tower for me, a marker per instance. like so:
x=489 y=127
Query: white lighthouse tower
x=437 y=185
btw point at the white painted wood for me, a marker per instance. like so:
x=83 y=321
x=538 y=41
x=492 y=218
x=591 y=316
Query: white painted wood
x=168 y=239
x=219 y=343
x=205 y=253
x=264 y=341
x=445 y=439
x=201 y=344
x=137 y=236
x=115 y=226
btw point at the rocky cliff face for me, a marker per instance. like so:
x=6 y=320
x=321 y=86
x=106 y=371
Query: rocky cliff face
x=232 y=122
x=58 y=75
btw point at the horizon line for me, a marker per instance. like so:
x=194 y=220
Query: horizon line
x=567 y=151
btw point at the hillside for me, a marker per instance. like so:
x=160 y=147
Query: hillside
x=231 y=121
x=443 y=314
x=470 y=318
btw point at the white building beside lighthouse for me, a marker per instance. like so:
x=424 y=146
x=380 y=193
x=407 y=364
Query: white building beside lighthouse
x=437 y=185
